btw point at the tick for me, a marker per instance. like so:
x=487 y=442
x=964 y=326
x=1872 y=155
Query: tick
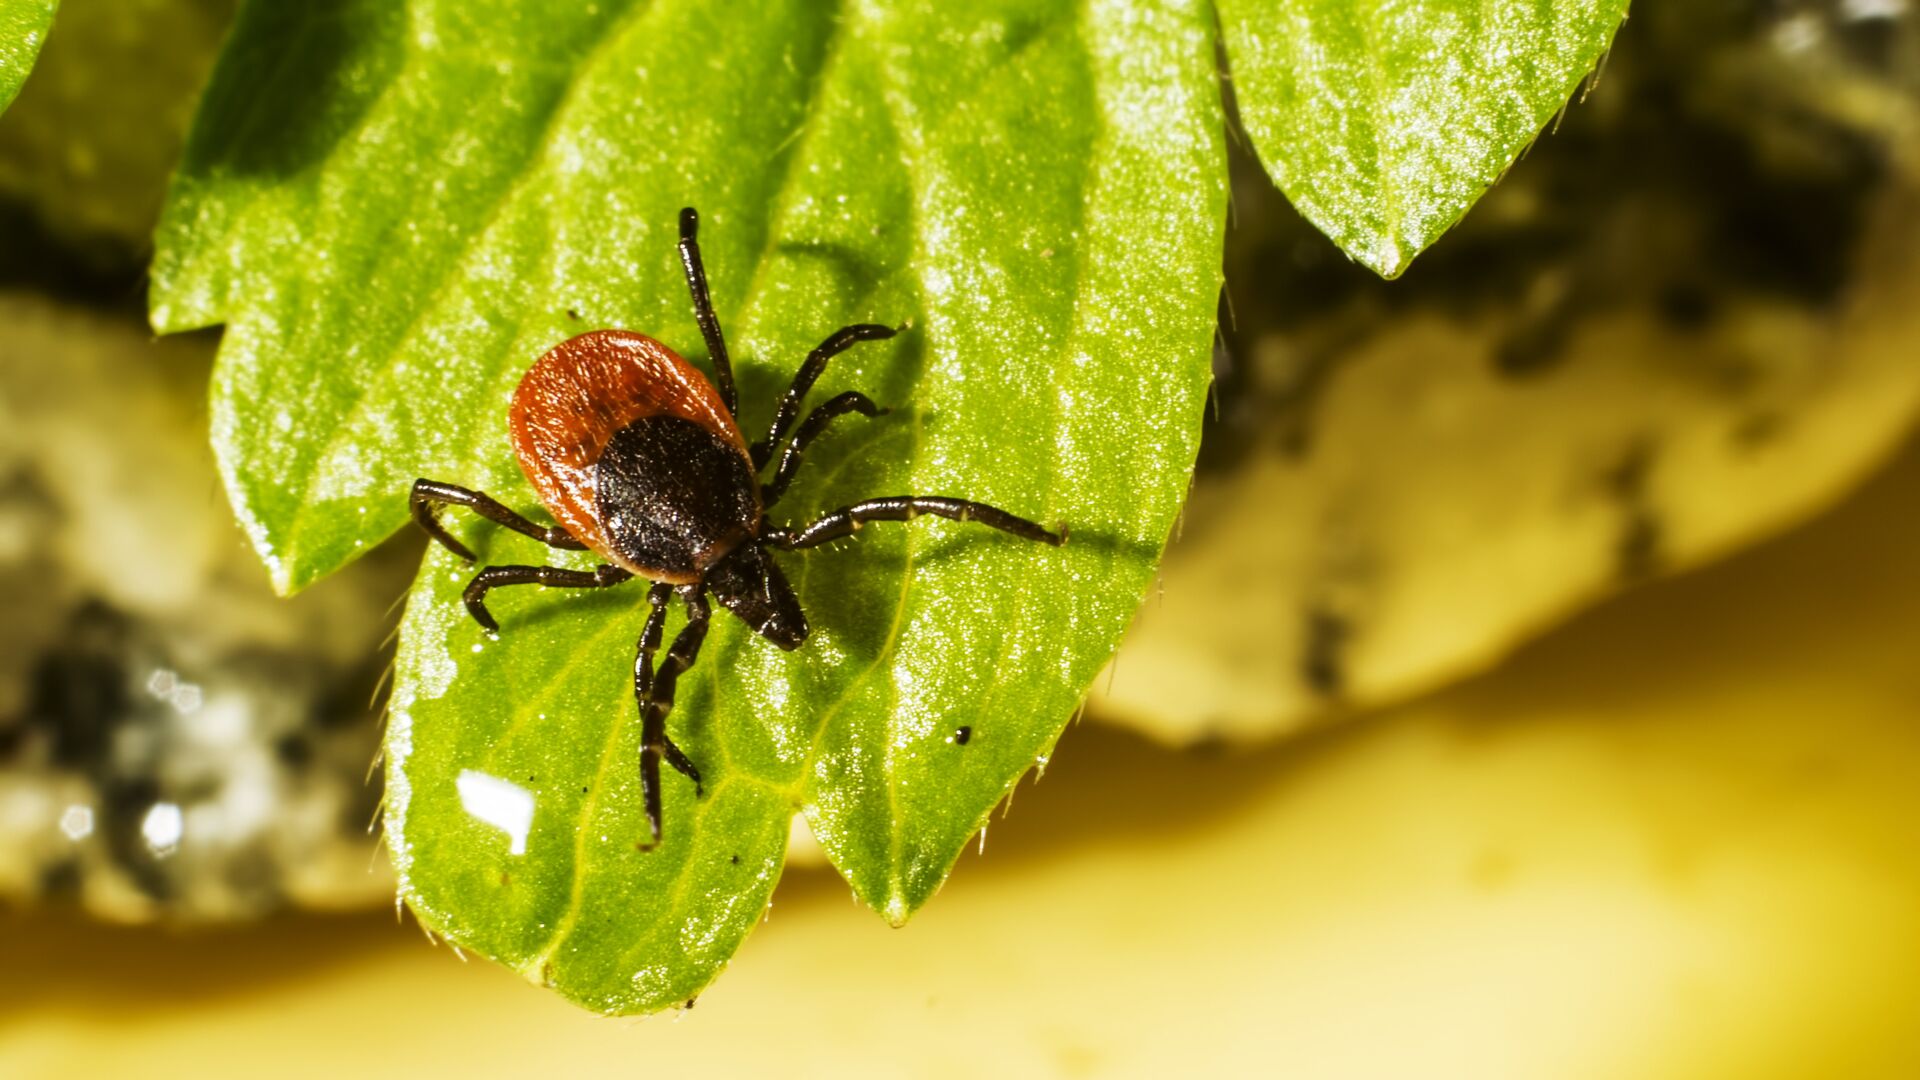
x=640 y=460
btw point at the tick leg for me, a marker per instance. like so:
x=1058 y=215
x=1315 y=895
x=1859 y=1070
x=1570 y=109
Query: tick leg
x=703 y=308
x=428 y=492
x=642 y=694
x=838 y=342
x=494 y=577
x=845 y=521
x=655 y=688
x=809 y=430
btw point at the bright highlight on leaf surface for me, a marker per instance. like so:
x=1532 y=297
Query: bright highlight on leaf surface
x=23 y=29
x=1384 y=120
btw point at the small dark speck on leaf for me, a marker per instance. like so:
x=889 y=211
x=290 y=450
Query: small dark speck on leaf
x=962 y=735
x=583 y=791
x=574 y=314
x=736 y=860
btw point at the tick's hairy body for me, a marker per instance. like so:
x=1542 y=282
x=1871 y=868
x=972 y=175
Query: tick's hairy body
x=639 y=458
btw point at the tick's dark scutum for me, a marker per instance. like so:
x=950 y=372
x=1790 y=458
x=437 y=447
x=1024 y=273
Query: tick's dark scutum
x=674 y=496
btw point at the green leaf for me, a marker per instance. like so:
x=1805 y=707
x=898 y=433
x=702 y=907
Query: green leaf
x=87 y=146
x=1384 y=120
x=23 y=27
x=394 y=214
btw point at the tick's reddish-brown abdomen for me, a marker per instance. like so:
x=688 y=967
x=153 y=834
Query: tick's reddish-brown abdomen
x=572 y=402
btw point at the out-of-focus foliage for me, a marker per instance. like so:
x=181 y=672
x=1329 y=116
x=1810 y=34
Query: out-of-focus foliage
x=85 y=150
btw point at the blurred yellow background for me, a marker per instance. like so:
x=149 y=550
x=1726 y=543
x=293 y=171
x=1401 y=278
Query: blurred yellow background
x=1673 y=838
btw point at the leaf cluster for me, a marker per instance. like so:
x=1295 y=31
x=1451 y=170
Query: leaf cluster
x=393 y=210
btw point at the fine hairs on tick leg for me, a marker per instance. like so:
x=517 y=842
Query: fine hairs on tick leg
x=640 y=460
